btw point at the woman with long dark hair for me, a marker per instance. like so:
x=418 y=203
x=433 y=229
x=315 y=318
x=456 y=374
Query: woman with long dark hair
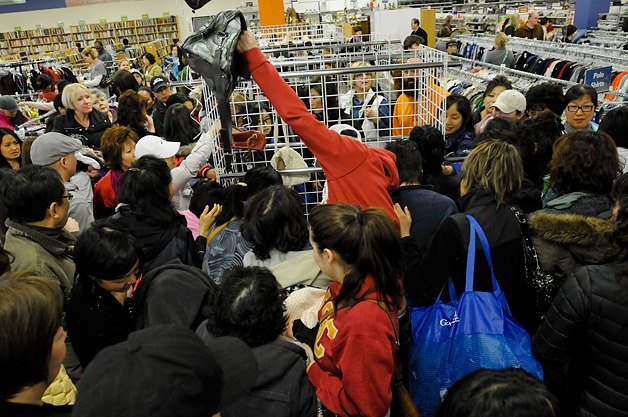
x=146 y=210
x=179 y=126
x=225 y=245
x=459 y=134
x=361 y=252
x=10 y=149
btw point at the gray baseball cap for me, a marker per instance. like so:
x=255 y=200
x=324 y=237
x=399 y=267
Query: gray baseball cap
x=50 y=147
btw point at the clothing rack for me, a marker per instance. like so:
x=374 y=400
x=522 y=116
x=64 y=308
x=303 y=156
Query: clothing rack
x=558 y=50
x=515 y=73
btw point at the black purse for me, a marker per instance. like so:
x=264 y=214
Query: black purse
x=544 y=284
x=211 y=53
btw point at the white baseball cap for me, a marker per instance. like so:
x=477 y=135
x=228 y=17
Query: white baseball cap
x=509 y=101
x=156 y=146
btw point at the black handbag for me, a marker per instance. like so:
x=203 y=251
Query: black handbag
x=211 y=53
x=544 y=284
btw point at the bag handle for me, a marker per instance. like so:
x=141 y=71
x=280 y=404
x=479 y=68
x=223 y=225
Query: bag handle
x=476 y=229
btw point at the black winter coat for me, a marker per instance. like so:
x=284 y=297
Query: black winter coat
x=582 y=343
x=67 y=124
x=161 y=243
x=426 y=273
x=95 y=319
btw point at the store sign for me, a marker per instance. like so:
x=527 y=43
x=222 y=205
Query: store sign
x=38 y=26
x=124 y=18
x=17 y=28
x=144 y=16
x=523 y=9
x=102 y=20
x=599 y=78
x=60 y=24
x=81 y=23
x=166 y=14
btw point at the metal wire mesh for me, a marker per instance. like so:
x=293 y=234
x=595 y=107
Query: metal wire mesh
x=337 y=88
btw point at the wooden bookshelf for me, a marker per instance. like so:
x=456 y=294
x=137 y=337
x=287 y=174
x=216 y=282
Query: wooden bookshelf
x=48 y=40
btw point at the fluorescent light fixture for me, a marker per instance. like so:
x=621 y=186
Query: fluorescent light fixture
x=10 y=2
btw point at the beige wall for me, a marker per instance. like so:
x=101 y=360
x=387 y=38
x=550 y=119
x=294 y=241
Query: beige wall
x=112 y=12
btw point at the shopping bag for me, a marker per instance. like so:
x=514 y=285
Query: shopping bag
x=473 y=331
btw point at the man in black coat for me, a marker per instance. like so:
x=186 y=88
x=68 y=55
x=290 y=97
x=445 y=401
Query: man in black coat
x=416 y=30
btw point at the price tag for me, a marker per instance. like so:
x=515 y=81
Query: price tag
x=523 y=9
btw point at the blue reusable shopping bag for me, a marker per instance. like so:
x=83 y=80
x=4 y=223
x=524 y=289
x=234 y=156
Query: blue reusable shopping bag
x=471 y=332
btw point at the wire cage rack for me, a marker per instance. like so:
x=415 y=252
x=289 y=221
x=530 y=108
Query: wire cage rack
x=373 y=91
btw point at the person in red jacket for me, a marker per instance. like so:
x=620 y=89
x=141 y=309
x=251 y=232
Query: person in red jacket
x=355 y=173
x=118 y=149
x=353 y=360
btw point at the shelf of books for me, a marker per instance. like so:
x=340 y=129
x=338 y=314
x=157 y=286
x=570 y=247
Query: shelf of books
x=47 y=40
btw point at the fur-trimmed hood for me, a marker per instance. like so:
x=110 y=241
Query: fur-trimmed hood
x=571 y=229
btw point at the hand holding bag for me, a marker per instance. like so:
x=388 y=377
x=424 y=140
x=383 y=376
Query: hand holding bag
x=251 y=140
x=471 y=332
x=211 y=53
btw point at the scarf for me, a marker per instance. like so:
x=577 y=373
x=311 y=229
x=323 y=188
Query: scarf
x=116 y=179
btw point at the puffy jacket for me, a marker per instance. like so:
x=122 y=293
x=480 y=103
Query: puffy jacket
x=582 y=342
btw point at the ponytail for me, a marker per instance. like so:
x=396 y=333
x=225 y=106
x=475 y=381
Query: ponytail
x=367 y=242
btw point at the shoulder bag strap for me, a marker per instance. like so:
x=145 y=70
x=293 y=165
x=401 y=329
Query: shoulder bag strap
x=476 y=229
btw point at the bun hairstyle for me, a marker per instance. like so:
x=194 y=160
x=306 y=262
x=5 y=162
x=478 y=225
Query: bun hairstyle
x=367 y=242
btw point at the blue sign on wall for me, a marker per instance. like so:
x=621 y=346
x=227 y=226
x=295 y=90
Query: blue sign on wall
x=599 y=78
x=31 y=5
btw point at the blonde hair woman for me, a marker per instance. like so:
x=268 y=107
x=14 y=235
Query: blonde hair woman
x=81 y=120
x=98 y=70
x=364 y=108
x=500 y=55
x=491 y=175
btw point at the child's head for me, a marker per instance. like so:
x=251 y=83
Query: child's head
x=458 y=116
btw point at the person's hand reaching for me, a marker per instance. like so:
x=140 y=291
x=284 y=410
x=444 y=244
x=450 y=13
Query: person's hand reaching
x=247 y=41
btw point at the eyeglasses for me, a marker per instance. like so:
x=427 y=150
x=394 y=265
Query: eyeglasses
x=585 y=109
x=69 y=197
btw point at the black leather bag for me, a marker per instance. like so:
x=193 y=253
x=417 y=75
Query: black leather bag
x=197 y=4
x=544 y=284
x=211 y=53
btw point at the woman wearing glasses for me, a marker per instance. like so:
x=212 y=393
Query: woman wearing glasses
x=581 y=103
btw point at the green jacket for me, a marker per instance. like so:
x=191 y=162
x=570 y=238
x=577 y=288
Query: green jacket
x=48 y=256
